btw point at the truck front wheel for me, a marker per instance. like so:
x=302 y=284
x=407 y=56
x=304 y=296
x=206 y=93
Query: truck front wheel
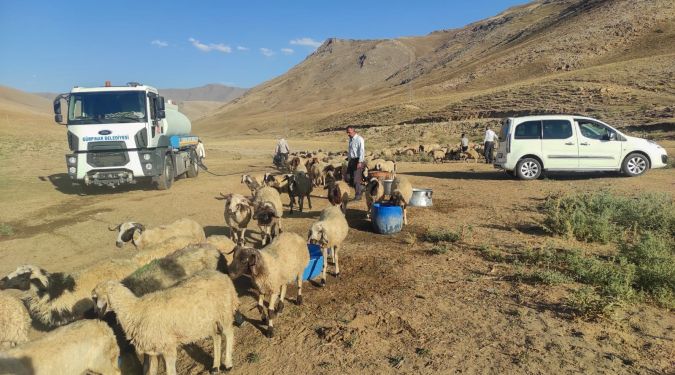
x=165 y=180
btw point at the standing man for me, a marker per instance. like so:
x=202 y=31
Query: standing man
x=356 y=153
x=201 y=152
x=489 y=143
x=464 y=142
x=281 y=152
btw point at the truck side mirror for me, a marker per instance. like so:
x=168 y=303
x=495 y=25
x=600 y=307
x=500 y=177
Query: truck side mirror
x=58 y=117
x=161 y=114
x=160 y=102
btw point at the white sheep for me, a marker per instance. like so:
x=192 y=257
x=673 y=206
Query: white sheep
x=87 y=346
x=386 y=166
x=142 y=237
x=179 y=265
x=238 y=212
x=162 y=249
x=338 y=194
x=201 y=306
x=300 y=186
x=251 y=182
x=401 y=192
x=329 y=233
x=14 y=321
x=268 y=212
x=271 y=269
x=372 y=164
x=374 y=193
x=54 y=299
x=437 y=155
x=316 y=172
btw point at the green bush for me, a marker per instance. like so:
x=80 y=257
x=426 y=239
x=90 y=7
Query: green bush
x=441 y=235
x=604 y=216
x=654 y=259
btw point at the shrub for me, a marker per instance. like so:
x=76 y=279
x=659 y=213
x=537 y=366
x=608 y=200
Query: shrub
x=441 y=235
x=544 y=276
x=604 y=217
x=654 y=259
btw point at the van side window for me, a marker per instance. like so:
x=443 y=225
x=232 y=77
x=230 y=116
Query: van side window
x=557 y=129
x=593 y=130
x=528 y=130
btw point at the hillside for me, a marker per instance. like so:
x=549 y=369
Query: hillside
x=210 y=92
x=25 y=114
x=614 y=59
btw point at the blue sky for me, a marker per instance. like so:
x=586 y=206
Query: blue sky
x=54 y=45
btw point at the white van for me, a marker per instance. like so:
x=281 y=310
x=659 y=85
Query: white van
x=532 y=144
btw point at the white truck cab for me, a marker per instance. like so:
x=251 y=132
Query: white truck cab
x=122 y=134
x=533 y=144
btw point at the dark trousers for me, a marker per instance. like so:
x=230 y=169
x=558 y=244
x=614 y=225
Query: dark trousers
x=489 y=146
x=355 y=175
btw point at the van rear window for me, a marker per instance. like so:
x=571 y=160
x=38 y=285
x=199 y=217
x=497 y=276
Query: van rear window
x=528 y=130
x=504 y=132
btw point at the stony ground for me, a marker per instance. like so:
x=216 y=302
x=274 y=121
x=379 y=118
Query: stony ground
x=398 y=306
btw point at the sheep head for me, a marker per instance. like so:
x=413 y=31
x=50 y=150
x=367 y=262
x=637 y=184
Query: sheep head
x=265 y=213
x=126 y=232
x=246 y=260
x=374 y=186
x=317 y=235
x=101 y=296
x=236 y=203
x=397 y=199
x=24 y=276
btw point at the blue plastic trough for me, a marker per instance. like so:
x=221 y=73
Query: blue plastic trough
x=315 y=265
x=386 y=218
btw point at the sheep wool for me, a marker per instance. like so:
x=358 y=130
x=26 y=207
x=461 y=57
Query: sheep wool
x=55 y=299
x=401 y=192
x=268 y=212
x=201 y=306
x=329 y=233
x=81 y=347
x=271 y=269
x=14 y=321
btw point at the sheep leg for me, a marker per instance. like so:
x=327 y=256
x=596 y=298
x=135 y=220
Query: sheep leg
x=301 y=201
x=335 y=260
x=405 y=215
x=150 y=364
x=272 y=314
x=217 y=352
x=280 y=305
x=170 y=361
x=261 y=308
x=299 y=281
x=229 y=346
x=242 y=236
x=324 y=252
x=309 y=201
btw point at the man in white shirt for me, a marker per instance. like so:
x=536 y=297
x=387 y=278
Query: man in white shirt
x=201 y=152
x=356 y=153
x=464 y=142
x=489 y=142
x=281 y=152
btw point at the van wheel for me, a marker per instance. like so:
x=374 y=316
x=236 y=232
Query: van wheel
x=635 y=165
x=165 y=180
x=528 y=169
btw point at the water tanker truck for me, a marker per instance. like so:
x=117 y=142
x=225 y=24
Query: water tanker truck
x=124 y=134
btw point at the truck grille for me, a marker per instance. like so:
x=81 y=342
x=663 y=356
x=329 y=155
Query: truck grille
x=107 y=154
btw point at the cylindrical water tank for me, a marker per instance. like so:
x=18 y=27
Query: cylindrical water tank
x=176 y=122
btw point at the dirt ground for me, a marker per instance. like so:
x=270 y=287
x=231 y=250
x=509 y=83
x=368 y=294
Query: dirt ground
x=397 y=307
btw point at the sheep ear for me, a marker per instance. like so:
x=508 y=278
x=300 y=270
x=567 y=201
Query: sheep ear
x=254 y=263
x=140 y=226
x=136 y=236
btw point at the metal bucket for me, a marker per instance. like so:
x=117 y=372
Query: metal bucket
x=421 y=198
x=387 y=186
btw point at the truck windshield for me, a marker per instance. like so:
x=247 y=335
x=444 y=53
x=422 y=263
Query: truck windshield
x=106 y=107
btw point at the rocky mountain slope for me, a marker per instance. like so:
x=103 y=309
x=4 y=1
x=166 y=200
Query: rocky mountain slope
x=614 y=59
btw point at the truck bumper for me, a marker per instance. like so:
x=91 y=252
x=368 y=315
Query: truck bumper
x=143 y=163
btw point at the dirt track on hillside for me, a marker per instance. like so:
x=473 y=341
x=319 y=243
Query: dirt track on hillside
x=396 y=307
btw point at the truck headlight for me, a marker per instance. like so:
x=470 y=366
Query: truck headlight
x=72 y=170
x=146 y=157
x=148 y=166
x=72 y=160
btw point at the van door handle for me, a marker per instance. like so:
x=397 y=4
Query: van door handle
x=569 y=143
x=584 y=144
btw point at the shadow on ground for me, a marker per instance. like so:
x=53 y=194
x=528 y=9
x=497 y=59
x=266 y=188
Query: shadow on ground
x=65 y=185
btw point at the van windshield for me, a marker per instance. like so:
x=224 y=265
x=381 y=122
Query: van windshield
x=106 y=107
x=506 y=125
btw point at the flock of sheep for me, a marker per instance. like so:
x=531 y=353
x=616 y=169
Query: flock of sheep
x=178 y=288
